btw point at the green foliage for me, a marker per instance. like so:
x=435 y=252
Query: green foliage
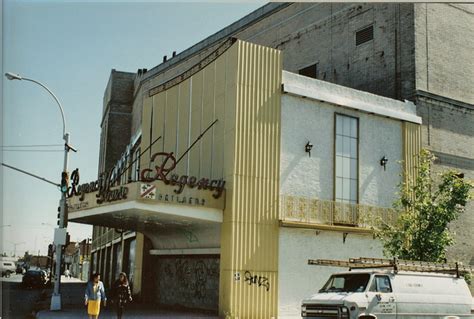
x=425 y=210
x=468 y=278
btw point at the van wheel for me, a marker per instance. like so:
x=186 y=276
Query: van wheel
x=367 y=317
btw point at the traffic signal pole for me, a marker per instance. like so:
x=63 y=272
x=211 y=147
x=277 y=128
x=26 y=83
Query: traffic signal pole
x=61 y=232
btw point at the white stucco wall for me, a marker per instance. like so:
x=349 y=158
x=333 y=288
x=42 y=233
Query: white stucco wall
x=306 y=120
x=298 y=280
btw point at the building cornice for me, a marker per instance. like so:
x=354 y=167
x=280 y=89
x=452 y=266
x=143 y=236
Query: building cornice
x=318 y=90
x=444 y=99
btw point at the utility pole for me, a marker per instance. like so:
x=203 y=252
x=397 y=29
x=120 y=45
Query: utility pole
x=60 y=233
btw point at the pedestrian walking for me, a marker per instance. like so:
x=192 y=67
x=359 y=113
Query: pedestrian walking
x=67 y=273
x=121 y=294
x=95 y=293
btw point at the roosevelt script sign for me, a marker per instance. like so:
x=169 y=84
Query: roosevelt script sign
x=101 y=186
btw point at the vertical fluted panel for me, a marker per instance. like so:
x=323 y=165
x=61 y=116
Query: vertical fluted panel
x=251 y=218
x=411 y=150
x=241 y=89
x=146 y=136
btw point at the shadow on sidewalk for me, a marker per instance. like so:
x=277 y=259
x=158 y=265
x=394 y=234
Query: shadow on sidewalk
x=135 y=311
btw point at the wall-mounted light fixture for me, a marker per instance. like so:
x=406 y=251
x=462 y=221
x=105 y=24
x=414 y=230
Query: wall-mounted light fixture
x=383 y=162
x=344 y=236
x=308 y=147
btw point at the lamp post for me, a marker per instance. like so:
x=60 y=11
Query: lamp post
x=60 y=232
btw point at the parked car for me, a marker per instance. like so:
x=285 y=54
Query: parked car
x=34 y=279
x=381 y=294
x=8 y=268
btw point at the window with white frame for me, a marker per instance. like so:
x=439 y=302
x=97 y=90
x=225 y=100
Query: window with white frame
x=347 y=159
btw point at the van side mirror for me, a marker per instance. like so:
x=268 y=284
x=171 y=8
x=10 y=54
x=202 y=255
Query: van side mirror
x=379 y=297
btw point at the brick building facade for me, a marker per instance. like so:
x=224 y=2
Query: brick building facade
x=416 y=52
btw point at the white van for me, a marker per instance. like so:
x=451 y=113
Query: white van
x=376 y=294
x=7 y=268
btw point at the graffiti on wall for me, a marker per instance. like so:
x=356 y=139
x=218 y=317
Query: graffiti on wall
x=190 y=236
x=260 y=281
x=189 y=281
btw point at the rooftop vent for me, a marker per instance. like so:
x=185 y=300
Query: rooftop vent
x=310 y=71
x=365 y=35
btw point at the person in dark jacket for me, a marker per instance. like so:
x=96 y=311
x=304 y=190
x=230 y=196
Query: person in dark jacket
x=121 y=294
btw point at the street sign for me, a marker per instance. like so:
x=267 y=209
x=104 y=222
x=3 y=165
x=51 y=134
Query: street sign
x=60 y=236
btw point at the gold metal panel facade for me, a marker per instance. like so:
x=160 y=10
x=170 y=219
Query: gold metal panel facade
x=241 y=89
x=197 y=82
x=146 y=127
x=249 y=244
x=158 y=123
x=180 y=112
x=207 y=117
x=170 y=119
x=313 y=212
x=411 y=150
x=183 y=125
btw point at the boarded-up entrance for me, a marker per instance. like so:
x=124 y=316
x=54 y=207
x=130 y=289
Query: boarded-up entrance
x=189 y=281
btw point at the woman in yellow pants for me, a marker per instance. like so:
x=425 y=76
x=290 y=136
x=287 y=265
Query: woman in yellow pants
x=95 y=293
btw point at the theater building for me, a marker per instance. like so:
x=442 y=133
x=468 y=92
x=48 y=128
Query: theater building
x=233 y=174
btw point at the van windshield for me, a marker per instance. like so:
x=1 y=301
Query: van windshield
x=346 y=283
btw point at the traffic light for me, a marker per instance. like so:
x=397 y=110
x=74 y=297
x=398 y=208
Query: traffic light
x=66 y=216
x=64 y=182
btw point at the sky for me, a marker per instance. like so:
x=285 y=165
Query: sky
x=71 y=47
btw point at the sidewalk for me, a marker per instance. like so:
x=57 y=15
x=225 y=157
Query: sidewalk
x=73 y=292
x=65 y=279
x=108 y=313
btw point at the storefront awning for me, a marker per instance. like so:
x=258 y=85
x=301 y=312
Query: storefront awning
x=146 y=207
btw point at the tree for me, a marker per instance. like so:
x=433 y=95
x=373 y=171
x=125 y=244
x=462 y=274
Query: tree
x=426 y=209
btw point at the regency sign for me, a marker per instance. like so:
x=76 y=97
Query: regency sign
x=161 y=172
x=106 y=194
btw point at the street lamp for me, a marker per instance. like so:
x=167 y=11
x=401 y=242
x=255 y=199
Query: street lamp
x=60 y=232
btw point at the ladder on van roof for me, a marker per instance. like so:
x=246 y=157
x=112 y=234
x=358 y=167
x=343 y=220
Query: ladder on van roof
x=397 y=264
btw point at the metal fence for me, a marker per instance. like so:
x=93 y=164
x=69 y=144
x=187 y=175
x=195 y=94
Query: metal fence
x=326 y=212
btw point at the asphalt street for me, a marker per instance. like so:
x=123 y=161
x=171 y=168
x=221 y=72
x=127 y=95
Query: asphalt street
x=19 y=303
x=16 y=301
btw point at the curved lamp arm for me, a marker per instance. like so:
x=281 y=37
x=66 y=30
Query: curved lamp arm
x=12 y=76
